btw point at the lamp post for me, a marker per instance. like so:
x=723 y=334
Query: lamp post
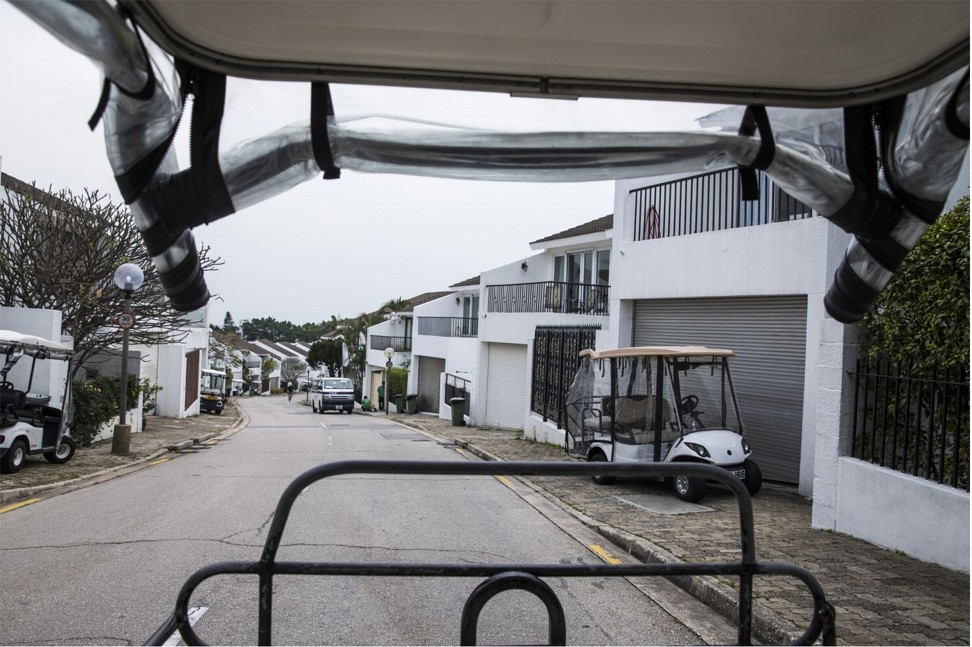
x=128 y=277
x=389 y=353
x=307 y=392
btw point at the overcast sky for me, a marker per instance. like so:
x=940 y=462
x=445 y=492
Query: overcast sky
x=327 y=247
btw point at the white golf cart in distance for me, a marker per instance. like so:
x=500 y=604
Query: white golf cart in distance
x=659 y=404
x=28 y=424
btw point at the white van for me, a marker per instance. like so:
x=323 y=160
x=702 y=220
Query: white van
x=332 y=393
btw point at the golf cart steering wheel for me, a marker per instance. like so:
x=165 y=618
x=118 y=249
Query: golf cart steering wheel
x=688 y=404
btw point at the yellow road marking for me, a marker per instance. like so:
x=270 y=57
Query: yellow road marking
x=460 y=450
x=161 y=460
x=603 y=554
x=505 y=481
x=208 y=442
x=14 y=506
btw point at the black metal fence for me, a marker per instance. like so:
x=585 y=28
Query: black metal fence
x=913 y=422
x=710 y=202
x=556 y=352
x=400 y=344
x=457 y=387
x=548 y=296
x=448 y=326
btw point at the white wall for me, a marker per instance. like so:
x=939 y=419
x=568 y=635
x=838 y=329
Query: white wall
x=172 y=377
x=902 y=512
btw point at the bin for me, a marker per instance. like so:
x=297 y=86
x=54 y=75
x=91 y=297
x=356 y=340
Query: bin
x=458 y=409
x=400 y=403
x=411 y=403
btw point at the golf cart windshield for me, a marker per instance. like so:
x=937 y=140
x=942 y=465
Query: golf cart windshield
x=888 y=83
x=703 y=389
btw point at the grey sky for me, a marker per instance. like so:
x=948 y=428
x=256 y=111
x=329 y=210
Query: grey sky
x=327 y=247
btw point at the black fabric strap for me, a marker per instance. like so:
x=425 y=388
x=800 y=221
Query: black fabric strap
x=321 y=108
x=756 y=119
x=102 y=104
x=209 y=90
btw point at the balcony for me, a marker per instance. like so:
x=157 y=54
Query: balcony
x=448 y=326
x=399 y=344
x=710 y=202
x=548 y=296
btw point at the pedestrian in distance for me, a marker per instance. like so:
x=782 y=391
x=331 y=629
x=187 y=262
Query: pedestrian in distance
x=381 y=397
x=290 y=391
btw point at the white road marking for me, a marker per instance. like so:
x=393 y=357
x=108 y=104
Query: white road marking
x=323 y=426
x=195 y=613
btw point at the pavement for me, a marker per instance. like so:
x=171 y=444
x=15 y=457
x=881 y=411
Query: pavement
x=881 y=597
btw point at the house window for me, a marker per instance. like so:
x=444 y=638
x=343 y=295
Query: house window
x=604 y=267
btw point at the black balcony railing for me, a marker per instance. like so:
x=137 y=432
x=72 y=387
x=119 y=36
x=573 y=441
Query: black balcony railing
x=448 y=326
x=457 y=387
x=400 y=344
x=913 y=422
x=548 y=296
x=556 y=354
x=710 y=202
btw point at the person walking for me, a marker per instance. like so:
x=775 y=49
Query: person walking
x=290 y=391
x=381 y=397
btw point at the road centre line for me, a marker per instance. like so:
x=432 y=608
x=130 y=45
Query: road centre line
x=601 y=552
x=161 y=460
x=195 y=613
x=14 y=506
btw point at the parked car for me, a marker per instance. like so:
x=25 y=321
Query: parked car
x=332 y=394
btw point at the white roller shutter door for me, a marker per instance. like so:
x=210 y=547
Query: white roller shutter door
x=506 y=388
x=768 y=335
x=429 y=370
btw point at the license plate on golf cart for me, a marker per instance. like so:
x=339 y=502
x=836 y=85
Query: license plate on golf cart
x=740 y=473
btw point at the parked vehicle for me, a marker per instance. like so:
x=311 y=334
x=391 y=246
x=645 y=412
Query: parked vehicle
x=212 y=391
x=672 y=404
x=28 y=424
x=332 y=394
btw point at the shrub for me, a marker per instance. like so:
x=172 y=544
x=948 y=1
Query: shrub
x=95 y=404
x=397 y=382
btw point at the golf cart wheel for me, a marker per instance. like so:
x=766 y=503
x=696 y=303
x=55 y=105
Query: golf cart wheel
x=754 y=477
x=63 y=453
x=689 y=488
x=599 y=457
x=14 y=459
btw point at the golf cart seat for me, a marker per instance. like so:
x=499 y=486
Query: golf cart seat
x=13 y=398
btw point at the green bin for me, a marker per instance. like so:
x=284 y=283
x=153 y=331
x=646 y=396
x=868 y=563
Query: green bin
x=411 y=403
x=458 y=409
x=400 y=403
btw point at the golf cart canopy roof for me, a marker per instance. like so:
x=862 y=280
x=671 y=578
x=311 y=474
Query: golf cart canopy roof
x=657 y=351
x=808 y=52
x=859 y=110
x=12 y=342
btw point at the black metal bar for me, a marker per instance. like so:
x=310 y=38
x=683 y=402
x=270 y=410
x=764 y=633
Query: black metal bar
x=943 y=437
x=929 y=449
x=904 y=441
x=897 y=400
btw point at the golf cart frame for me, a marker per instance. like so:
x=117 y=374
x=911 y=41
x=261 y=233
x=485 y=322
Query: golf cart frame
x=654 y=404
x=28 y=424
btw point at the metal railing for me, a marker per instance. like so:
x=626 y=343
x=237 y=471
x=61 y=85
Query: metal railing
x=912 y=422
x=448 y=326
x=710 y=202
x=548 y=296
x=457 y=387
x=497 y=577
x=400 y=344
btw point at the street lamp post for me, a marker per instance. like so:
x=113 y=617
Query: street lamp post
x=389 y=353
x=128 y=277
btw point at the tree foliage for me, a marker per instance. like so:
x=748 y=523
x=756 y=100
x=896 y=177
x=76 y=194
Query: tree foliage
x=327 y=353
x=923 y=313
x=292 y=369
x=60 y=251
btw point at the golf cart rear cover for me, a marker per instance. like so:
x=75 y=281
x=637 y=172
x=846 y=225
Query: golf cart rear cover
x=657 y=351
x=889 y=79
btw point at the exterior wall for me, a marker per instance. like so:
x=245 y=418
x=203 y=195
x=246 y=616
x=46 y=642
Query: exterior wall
x=172 y=375
x=902 y=512
x=460 y=353
x=775 y=259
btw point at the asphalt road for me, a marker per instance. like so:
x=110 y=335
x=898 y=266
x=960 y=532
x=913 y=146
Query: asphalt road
x=103 y=565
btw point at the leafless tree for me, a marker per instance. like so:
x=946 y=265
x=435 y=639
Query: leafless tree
x=60 y=251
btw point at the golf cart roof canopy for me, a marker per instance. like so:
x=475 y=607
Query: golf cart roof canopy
x=804 y=52
x=12 y=342
x=858 y=110
x=657 y=351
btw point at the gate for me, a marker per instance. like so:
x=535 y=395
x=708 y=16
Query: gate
x=556 y=354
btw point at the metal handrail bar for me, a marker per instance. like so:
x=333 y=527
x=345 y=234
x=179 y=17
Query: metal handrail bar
x=821 y=623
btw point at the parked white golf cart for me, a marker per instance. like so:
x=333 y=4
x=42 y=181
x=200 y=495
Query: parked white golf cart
x=659 y=404
x=28 y=424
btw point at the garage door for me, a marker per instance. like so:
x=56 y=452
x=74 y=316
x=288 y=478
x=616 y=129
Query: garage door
x=506 y=388
x=769 y=337
x=429 y=370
